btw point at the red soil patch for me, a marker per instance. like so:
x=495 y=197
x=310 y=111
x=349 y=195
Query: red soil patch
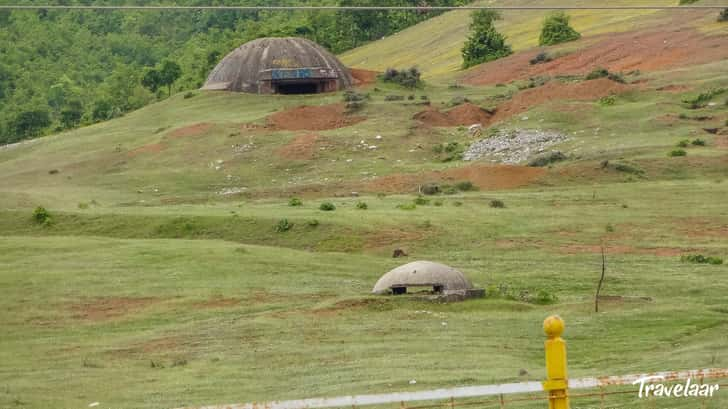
x=721 y=142
x=151 y=148
x=312 y=118
x=192 y=130
x=302 y=148
x=363 y=77
x=100 y=309
x=663 y=47
x=553 y=91
x=484 y=176
x=218 y=302
x=464 y=114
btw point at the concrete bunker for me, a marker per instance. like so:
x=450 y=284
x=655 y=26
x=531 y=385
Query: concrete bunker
x=289 y=65
x=432 y=279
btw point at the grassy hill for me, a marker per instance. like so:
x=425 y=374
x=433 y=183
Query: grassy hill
x=173 y=270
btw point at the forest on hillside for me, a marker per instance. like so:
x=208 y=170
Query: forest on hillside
x=61 y=69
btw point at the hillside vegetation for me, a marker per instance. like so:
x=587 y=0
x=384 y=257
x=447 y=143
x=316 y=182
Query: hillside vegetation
x=214 y=247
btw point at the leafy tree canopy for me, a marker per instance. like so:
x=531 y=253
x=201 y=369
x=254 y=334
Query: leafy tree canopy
x=556 y=30
x=485 y=43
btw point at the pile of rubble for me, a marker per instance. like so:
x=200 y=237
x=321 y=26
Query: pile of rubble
x=513 y=146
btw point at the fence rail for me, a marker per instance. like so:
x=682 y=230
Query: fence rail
x=498 y=390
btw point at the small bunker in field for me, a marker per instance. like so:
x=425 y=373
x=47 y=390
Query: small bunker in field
x=288 y=65
x=436 y=279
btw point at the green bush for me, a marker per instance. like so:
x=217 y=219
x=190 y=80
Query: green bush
x=701 y=259
x=409 y=78
x=625 y=168
x=683 y=144
x=497 y=204
x=421 y=201
x=547 y=159
x=437 y=203
x=294 y=201
x=556 y=30
x=361 y=205
x=540 y=58
x=41 y=215
x=677 y=152
x=327 y=207
x=283 y=225
x=607 y=100
x=430 y=188
x=465 y=186
x=485 y=43
x=544 y=297
x=698 y=142
x=312 y=223
x=596 y=73
x=701 y=100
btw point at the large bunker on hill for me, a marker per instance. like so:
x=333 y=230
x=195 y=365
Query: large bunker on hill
x=289 y=65
x=444 y=282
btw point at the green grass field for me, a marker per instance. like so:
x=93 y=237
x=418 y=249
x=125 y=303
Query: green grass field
x=148 y=288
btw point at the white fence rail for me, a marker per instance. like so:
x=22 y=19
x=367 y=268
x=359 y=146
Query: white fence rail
x=474 y=391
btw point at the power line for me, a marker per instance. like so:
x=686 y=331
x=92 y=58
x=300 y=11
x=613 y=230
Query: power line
x=353 y=8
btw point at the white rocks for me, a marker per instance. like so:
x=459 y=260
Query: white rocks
x=231 y=191
x=514 y=146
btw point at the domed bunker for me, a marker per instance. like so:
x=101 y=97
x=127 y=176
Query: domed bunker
x=443 y=281
x=289 y=65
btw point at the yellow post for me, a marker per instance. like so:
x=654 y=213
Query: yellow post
x=556 y=379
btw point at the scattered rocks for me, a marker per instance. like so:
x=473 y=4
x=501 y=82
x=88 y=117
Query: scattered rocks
x=513 y=146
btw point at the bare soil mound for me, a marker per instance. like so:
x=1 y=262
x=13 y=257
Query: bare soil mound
x=301 y=147
x=665 y=47
x=464 y=114
x=555 y=90
x=363 y=77
x=483 y=176
x=151 y=148
x=192 y=130
x=312 y=118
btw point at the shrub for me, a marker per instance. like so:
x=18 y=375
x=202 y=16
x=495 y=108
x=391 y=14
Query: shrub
x=189 y=94
x=547 y=159
x=449 y=190
x=723 y=16
x=457 y=204
x=698 y=142
x=597 y=73
x=430 y=188
x=485 y=43
x=393 y=97
x=283 y=225
x=540 y=58
x=607 y=100
x=465 y=186
x=409 y=78
x=625 y=168
x=312 y=223
x=294 y=201
x=422 y=201
x=701 y=259
x=437 y=203
x=497 y=204
x=683 y=144
x=676 y=153
x=702 y=99
x=609 y=228
x=41 y=215
x=556 y=30
x=351 y=96
x=407 y=206
x=327 y=207
x=457 y=100
x=362 y=205
x=544 y=297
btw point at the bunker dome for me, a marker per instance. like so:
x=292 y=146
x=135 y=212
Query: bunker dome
x=287 y=65
x=441 y=279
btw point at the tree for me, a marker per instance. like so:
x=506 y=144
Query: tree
x=152 y=80
x=169 y=73
x=71 y=114
x=485 y=42
x=30 y=123
x=556 y=30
